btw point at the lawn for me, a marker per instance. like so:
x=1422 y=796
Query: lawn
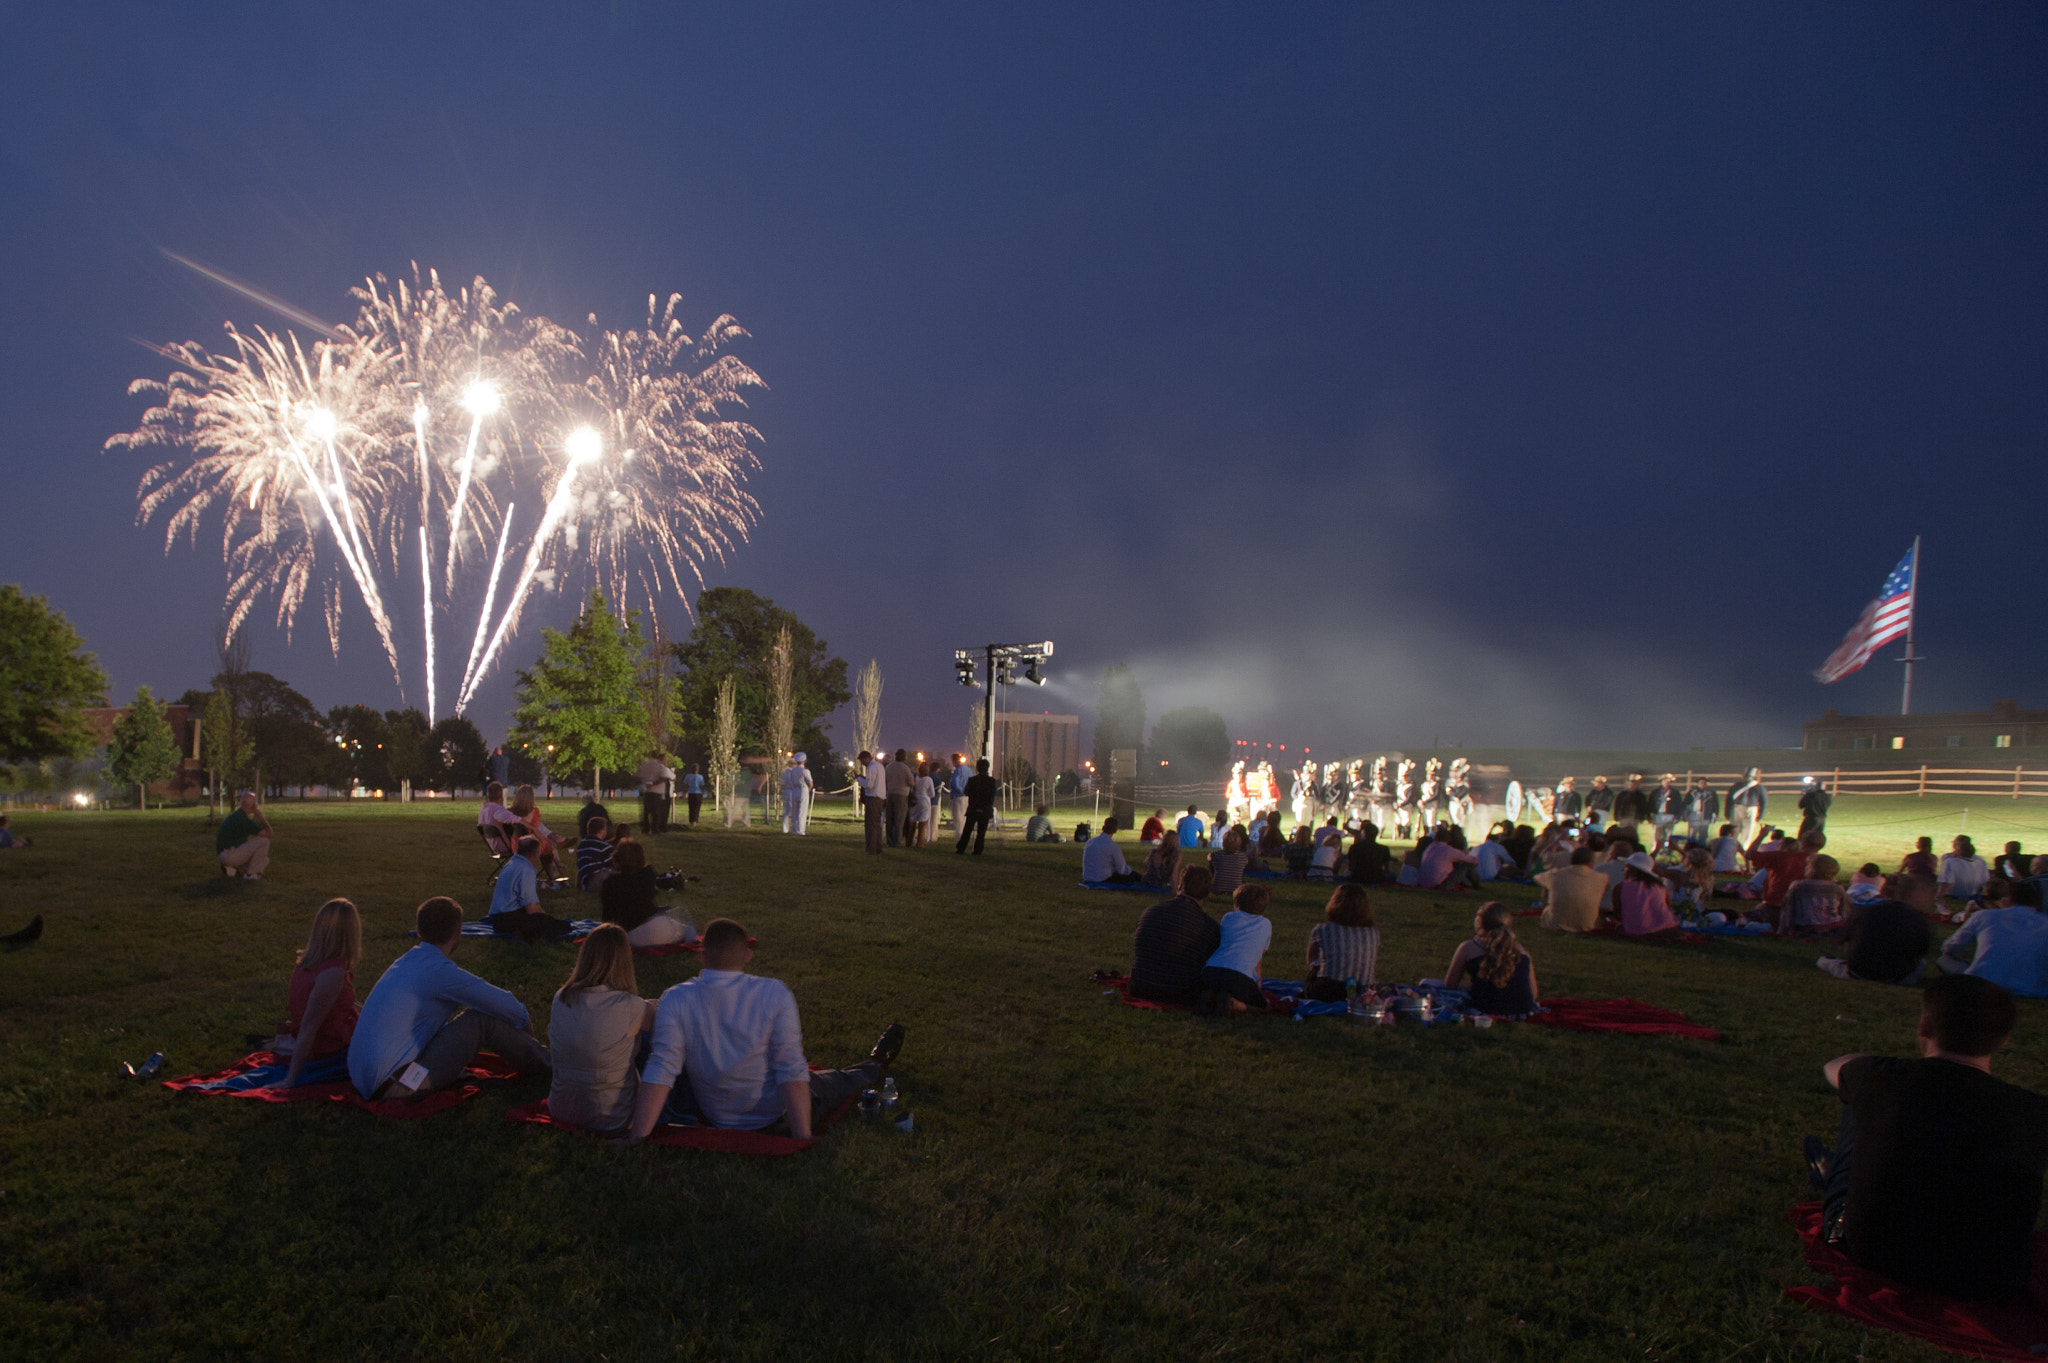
x=1086 y=1180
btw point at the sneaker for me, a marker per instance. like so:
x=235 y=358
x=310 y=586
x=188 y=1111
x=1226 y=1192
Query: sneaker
x=252 y=876
x=1817 y=1157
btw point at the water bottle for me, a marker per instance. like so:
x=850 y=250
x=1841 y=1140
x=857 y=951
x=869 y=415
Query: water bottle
x=889 y=1095
x=1350 y=993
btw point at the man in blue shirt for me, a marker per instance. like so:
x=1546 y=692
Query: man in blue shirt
x=693 y=790
x=515 y=899
x=1190 y=829
x=2011 y=950
x=956 y=783
x=409 y=1039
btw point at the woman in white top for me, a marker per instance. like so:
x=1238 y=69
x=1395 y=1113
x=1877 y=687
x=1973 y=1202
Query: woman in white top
x=1344 y=946
x=1230 y=980
x=593 y=1031
x=922 y=795
x=1963 y=872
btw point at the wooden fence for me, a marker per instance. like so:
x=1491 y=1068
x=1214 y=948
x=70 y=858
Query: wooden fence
x=1984 y=782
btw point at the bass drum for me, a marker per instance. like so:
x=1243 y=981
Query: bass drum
x=1513 y=800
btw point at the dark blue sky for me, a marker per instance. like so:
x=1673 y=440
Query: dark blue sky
x=1522 y=374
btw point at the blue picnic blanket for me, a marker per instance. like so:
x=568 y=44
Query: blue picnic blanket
x=323 y=1071
x=1732 y=929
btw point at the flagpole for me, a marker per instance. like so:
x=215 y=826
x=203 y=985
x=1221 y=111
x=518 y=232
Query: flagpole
x=1906 y=700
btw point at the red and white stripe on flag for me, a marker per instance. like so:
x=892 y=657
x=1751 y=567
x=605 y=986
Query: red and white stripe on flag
x=1883 y=620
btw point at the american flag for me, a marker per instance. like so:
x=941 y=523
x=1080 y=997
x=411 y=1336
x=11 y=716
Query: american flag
x=1882 y=621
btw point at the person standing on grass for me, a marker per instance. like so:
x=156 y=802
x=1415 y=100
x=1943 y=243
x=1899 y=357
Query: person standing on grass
x=1747 y=803
x=1567 y=804
x=1102 y=861
x=1174 y=940
x=1344 y=946
x=242 y=842
x=594 y=1027
x=981 y=808
x=897 y=780
x=1503 y=974
x=515 y=899
x=728 y=1050
x=1813 y=806
x=1702 y=807
x=1600 y=801
x=1667 y=802
x=874 y=799
x=796 y=794
x=657 y=780
x=1935 y=1177
x=323 y=1005
x=1230 y=977
x=500 y=766
x=956 y=786
x=922 y=796
x=693 y=792
x=427 y=1017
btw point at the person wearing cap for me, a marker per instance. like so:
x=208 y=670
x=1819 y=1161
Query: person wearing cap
x=796 y=794
x=1667 y=802
x=1813 y=807
x=1748 y=801
x=1702 y=807
x=242 y=842
x=1567 y=804
x=1643 y=902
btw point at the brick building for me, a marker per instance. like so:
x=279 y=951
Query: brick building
x=1050 y=743
x=2004 y=725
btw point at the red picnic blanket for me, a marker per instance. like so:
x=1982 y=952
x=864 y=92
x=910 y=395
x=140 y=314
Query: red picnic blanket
x=1619 y=1015
x=2016 y=1330
x=695 y=1137
x=1274 y=1003
x=250 y=1067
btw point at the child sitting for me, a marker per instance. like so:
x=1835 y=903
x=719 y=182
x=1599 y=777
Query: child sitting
x=1230 y=979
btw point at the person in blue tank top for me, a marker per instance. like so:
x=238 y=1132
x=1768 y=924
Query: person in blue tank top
x=1501 y=978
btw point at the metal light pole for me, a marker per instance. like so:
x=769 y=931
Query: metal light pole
x=996 y=662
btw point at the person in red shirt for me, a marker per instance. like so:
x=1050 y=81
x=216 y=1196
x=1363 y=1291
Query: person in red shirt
x=323 y=992
x=1786 y=864
x=1154 y=829
x=1920 y=862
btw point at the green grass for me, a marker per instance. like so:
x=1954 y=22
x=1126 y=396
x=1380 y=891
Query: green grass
x=1087 y=1179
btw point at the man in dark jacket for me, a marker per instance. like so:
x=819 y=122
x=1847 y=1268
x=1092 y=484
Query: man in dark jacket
x=981 y=806
x=1813 y=807
x=1702 y=807
x=1174 y=940
x=1369 y=858
x=1567 y=803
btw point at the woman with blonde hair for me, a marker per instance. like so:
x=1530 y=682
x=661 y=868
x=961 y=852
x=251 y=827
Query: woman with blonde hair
x=1344 y=946
x=1503 y=977
x=323 y=996
x=593 y=1030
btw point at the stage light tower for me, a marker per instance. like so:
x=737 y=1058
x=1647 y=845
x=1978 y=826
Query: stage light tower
x=998 y=662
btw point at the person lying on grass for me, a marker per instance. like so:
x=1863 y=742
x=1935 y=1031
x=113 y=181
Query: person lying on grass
x=1887 y=940
x=627 y=899
x=1500 y=973
x=1344 y=946
x=1935 y=1178
x=1230 y=977
x=323 y=988
x=515 y=899
x=728 y=1051
x=2010 y=943
x=595 y=1025
x=410 y=1040
x=1174 y=940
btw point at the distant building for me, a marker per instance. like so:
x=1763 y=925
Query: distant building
x=184 y=731
x=1050 y=743
x=2004 y=725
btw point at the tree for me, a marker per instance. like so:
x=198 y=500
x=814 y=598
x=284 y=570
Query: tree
x=1119 y=716
x=459 y=753
x=143 y=748
x=289 y=745
x=658 y=688
x=409 y=749
x=46 y=679
x=867 y=709
x=583 y=695
x=781 y=706
x=223 y=743
x=1193 y=739
x=733 y=635
x=359 y=735
x=724 y=752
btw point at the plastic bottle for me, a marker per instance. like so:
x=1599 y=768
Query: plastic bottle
x=889 y=1095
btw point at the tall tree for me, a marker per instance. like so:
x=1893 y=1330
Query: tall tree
x=459 y=753
x=732 y=637
x=1194 y=742
x=1119 y=716
x=143 y=748
x=583 y=695
x=223 y=744
x=409 y=748
x=658 y=688
x=360 y=735
x=781 y=707
x=867 y=709
x=46 y=679
x=724 y=749
x=289 y=744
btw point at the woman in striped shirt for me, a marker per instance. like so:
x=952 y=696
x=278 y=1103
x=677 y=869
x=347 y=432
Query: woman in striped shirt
x=1228 y=865
x=1344 y=946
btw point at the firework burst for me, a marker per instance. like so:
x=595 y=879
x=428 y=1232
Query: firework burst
x=405 y=443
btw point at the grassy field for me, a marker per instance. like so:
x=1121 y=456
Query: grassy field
x=1087 y=1179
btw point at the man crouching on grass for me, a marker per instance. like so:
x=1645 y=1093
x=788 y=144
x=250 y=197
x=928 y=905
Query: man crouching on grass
x=728 y=1045
x=1935 y=1179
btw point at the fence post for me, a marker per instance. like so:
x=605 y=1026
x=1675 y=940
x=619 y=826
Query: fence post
x=1923 y=779
x=1835 y=788
x=2016 y=781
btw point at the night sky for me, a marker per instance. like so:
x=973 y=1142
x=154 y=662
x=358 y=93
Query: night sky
x=1530 y=375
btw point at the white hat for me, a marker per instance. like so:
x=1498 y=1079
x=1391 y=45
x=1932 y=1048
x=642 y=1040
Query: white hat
x=801 y=757
x=1641 y=862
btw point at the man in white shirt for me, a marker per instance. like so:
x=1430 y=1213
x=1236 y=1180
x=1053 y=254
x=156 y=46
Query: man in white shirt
x=874 y=798
x=1102 y=861
x=656 y=779
x=729 y=1046
x=796 y=795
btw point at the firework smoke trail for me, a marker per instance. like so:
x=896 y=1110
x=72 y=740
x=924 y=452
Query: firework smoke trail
x=476 y=426
x=419 y=440
x=483 y=619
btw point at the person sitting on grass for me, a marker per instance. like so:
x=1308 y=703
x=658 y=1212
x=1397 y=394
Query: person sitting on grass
x=1444 y=865
x=1102 y=861
x=527 y=811
x=1174 y=940
x=1411 y=863
x=1218 y=827
x=1962 y=872
x=1301 y=852
x=1162 y=865
x=626 y=899
x=9 y=839
x=2010 y=943
x=1572 y=894
x=1344 y=946
x=1329 y=832
x=1920 y=861
x=1492 y=859
x=1154 y=829
x=1691 y=882
x=427 y=1017
x=1271 y=844
x=1935 y=1178
x=1784 y=865
x=515 y=899
x=1368 y=859
x=1887 y=940
x=1866 y=884
x=592 y=809
x=1230 y=978
x=594 y=1028
x=323 y=994
x=1815 y=906
x=1227 y=868
x=2013 y=864
x=1038 y=828
x=1188 y=829
x=1329 y=855
x=728 y=1050
x=242 y=842
x=1641 y=902
x=1502 y=974
x=594 y=854
x=1727 y=850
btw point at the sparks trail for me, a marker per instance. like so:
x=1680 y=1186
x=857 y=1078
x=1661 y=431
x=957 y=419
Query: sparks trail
x=413 y=429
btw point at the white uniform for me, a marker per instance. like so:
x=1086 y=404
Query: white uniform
x=796 y=796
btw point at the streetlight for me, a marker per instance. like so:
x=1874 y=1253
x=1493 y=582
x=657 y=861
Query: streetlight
x=998 y=662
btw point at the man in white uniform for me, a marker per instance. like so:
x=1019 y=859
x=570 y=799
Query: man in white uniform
x=796 y=795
